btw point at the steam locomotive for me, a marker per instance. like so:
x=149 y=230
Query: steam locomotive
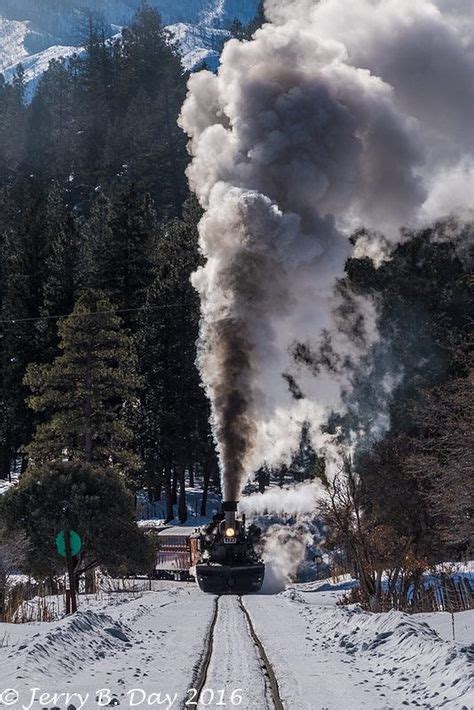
x=229 y=562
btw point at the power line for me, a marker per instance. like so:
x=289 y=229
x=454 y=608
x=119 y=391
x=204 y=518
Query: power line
x=95 y=313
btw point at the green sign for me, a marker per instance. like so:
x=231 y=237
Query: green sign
x=75 y=542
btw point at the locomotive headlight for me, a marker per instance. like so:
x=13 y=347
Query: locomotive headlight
x=230 y=532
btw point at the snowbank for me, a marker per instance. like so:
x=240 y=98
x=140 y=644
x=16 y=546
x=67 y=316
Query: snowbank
x=347 y=658
x=150 y=641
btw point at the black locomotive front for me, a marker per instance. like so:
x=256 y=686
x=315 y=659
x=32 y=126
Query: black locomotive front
x=229 y=562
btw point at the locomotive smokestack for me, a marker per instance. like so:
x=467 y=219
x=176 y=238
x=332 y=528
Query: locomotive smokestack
x=229 y=508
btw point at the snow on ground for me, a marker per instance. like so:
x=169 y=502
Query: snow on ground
x=36 y=64
x=346 y=658
x=323 y=655
x=5 y=484
x=13 y=51
x=235 y=663
x=150 y=642
x=442 y=623
x=197 y=44
x=154 y=514
x=12 y=39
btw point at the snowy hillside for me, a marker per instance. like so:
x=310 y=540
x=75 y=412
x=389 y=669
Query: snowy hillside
x=198 y=43
x=63 y=19
x=35 y=64
x=12 y=42
x=33 y=35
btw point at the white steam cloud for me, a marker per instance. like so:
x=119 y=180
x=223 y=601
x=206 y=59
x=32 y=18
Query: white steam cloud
x=284 y=549
x=298 y=501
x=336 y=115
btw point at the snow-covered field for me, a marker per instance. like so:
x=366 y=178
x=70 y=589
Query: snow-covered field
x=323 y=656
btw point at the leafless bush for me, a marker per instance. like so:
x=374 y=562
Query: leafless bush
x=375 y=551
x=14 y=548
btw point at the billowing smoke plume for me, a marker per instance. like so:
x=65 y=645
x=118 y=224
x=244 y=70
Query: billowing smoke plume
x=336 y=115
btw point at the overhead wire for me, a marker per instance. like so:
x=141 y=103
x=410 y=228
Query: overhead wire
x=13 y=321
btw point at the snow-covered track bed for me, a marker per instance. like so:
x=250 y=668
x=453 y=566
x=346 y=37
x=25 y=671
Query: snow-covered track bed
x=234 y=661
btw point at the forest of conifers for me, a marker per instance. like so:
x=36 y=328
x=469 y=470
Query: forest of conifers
x=96 y=217
x=94 y=196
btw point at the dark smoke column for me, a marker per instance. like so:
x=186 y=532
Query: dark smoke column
x=232 y=400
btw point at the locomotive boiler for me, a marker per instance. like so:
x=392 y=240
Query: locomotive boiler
x=229 y=561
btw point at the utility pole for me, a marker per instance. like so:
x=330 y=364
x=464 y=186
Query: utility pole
x=71 y=598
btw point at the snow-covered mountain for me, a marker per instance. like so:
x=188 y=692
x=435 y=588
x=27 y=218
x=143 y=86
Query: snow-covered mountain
x=33 y=32
x=198 y=43
x=12 y=41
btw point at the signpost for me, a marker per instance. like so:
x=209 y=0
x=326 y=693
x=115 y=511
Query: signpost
x=68 y=545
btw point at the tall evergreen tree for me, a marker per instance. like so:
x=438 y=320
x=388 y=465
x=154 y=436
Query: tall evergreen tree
x=155 y=87
x=60 y=268
x=174 y=415
x=93 y=501
x=123 y=240
x=12 y=128
x=86 y=396
x=50 y=140
x=22 y=273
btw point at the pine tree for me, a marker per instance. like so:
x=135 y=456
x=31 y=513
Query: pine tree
x=12 y=129
x=85 y=397
x=50 y=119
x=174 y=416
x=60 y=269
x=305 y=464
x=92 y=501
x=152 y=79
x=241 y=31
x=22 y=272
x=98 y=135
x=124 y=246
x=95 y=239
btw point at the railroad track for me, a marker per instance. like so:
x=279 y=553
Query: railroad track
x=201 y=680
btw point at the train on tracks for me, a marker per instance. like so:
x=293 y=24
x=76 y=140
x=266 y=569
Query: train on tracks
x=229 y=560
x=223 y=556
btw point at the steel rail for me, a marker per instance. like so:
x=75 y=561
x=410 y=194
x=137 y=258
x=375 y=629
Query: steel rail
x=199 y=682
x=270 y=678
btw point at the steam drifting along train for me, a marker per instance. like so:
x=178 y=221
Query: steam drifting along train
x=229 y=562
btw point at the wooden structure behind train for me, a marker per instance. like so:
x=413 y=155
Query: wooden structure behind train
x=177 y=553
